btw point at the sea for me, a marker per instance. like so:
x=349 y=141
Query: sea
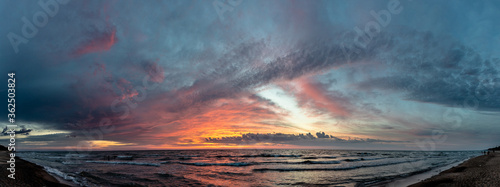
x=241 y=167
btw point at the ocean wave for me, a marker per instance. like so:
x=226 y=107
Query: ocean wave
x=124 y=157
x=366 y=154
x=320 y=162
x=57 y=157
x=303 y=162
x=127 y=163
x=325 y=162
x=259 y=155
x=216 y=164
x=153 y=155
x=319 y=157
x=328 y=169
x=361 y=159
x=277 y=155
x=271 y=155
x=70 y=163
x=166 y=158
x=401 y=175
x=61 y=174
x=253 y=163
x=76 y=155
x=234 y=174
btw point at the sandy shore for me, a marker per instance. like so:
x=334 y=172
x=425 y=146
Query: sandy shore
x=419 y=177
x=479 y=171
x=26 y=174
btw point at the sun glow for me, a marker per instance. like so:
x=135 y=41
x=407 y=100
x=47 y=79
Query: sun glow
x=289 y=103
x=105 y=143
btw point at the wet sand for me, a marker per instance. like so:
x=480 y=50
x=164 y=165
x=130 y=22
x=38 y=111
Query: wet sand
x=479 y=171
x=419 y=177
x=26 y=174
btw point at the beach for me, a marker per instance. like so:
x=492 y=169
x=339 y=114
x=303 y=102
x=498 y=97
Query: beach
x=479 y=171
x=26 y=174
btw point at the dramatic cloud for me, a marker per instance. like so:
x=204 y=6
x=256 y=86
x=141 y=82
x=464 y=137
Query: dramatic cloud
x=281 y=138
x=100 y=41
x=445 y=72
x=172 y=74
x=6 y=131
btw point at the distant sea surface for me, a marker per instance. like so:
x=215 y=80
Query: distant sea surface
x=240 y=167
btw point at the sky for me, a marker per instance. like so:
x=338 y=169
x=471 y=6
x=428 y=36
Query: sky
x=127 y=75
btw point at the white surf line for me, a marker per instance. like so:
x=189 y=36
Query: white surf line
x=407 y=181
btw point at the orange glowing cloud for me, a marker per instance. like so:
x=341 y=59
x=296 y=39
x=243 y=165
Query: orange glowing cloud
x=225 y=117
x=318 y=97
x=105 y=143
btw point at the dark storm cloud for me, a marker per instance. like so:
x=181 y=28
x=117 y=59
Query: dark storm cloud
x=436 y=70
x=253 y=138
x=23 y=130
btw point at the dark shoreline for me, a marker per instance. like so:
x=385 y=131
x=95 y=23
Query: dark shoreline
x=27 y=174
x=482 y=170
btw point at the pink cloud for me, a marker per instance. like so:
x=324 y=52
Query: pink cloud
x=156 y=72
x=98 y=43
x=317 y=96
